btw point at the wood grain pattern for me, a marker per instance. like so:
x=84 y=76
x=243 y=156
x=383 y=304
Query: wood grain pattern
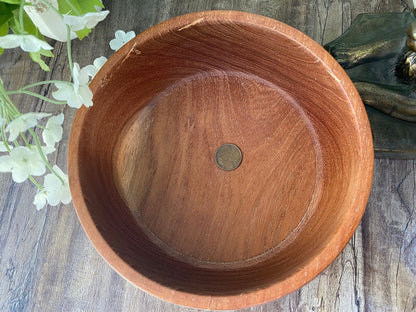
x=205 y=237
x=174 y=142
x=48 y=264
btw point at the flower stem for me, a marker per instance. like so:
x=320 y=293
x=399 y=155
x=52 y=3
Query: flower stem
x=68 y=32
x=42 y=155
x=10 y=109
x=36 y=95
x=7 y=110
x=3 y=135
x=40 y=187
x=25 y=140
x=40 y=83
x=22 y=3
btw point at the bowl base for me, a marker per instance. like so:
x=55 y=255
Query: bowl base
x=164 y=169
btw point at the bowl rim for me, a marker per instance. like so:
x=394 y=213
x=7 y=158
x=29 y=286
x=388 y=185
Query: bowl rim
x=315 y=265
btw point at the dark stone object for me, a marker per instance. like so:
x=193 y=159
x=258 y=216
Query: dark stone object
x=373 y=53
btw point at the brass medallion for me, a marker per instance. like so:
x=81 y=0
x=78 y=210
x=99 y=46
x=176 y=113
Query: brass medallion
x=228 y=157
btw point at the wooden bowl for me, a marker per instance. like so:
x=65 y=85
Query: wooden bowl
x=211 y=227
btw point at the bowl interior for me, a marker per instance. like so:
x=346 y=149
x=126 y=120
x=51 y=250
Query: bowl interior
x=144 y=157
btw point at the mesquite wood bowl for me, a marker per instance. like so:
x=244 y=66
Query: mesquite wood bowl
x=227 y=160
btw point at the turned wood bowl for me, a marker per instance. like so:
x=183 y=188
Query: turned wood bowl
x=227 y=160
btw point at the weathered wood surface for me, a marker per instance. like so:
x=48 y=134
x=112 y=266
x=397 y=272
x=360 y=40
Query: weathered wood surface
x=48 y=264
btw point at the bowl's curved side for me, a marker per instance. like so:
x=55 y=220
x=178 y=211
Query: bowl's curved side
x=316 y=265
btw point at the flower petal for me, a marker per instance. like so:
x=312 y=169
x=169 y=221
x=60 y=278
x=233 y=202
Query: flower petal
x=57 y=120
x=119 y=34
x=89 y=20
x=76 y=71
x=40 y=200
x=28 y=43
x=64 y=92
x=56 y=190
x=24 y=162
x=93 y=18
x=19 y=174
x=74 y=22
x=121 y=38
x=10 y=41
x=98 y=63
x=5 y=164
x=24 y=122
x=36 y=168
x=86 y=95
x=91 y=70
x=75 y=101
x=53 y=130
x=15 y=127
x=52 y=136
x=83 y=77
x=48 y=149
x=3 y=147
x=115 y=44
x=129 y=35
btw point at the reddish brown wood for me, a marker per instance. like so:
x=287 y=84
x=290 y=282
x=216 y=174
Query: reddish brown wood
x=147 y=189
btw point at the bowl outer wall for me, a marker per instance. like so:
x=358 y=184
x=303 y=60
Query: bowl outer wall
x=315 y=265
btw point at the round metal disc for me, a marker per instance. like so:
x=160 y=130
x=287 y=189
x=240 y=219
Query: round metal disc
x=228 y=157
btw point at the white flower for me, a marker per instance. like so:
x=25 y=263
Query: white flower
x=80 y=76
x=92 y=70
x=121 y=38
x=47 y=20
x=89 y=20
x=74 y=97
x=77 y=93
x=40 y=200
x=53 y=130
x=28 y=43
x=3 y=147
x=22 y=123
x=22 y=162
x=56 y=191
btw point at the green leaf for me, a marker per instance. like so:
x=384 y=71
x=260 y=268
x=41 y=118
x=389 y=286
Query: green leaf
x=83 y=33
x=36 y=57
x=28 y=25
x=47 y=53
x=4 y=29
x=69 y=7
x=14 y=25
x=89 y=5
x=78 y=7
x=11 y=1
x=6 y=12
x=31 y=29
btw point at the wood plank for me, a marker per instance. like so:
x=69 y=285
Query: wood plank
x=48 y=264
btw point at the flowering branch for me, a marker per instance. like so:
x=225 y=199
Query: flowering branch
x=70 y=19
x=28 y=161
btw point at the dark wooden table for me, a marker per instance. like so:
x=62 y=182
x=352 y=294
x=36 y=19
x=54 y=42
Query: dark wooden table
x=48 y=264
